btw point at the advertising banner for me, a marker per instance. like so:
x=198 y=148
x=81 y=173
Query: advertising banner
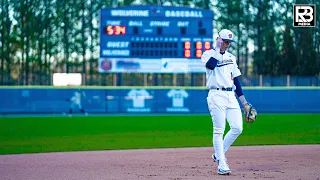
x=165 y=65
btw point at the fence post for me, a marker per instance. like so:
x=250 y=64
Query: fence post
x=83 y=79
x=288 y=80
x=174 y=80
x=192 y=79
x=51 y=78
x=155 y=79
x=114 y=79
x=204 y=80
x=260 y=80
x=119 y=79
x=145 y=79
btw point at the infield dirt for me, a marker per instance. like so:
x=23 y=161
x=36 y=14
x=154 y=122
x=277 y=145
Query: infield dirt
x=246 y=162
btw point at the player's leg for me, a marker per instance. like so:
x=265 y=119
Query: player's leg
x=217 y=108
x=217 y=103
x=219 y=121
x=234 y=118
x=70 y=108
x=81 y=109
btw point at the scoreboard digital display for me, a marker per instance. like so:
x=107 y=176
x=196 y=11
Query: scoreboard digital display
x=153 y=33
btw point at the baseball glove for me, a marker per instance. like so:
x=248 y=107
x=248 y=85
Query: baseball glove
x=250 y=113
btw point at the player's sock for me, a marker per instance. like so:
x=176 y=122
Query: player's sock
x=70 y=111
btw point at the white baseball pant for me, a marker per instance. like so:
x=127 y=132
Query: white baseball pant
x=224 y=105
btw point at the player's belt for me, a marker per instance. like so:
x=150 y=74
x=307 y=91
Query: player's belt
x=223 y=89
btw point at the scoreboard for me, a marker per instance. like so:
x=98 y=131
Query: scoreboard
x=154 y=38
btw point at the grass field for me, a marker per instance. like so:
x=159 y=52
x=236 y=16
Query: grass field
x=54 y=134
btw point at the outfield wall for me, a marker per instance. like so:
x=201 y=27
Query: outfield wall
x=153 y=100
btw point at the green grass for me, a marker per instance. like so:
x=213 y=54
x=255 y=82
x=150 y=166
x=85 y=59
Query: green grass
x=53 y=134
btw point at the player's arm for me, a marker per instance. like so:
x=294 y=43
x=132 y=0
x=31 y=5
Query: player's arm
x=84 y=94
x=210 y=61
x=209 y=57
x=236 y=73
x=73 y=97
x=239 y=91
x=250 y=111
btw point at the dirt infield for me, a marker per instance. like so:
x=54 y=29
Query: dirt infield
x=252 y=162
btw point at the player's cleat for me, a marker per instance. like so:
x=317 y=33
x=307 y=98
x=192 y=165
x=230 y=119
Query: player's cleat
x=223 y=168
x=214 y=158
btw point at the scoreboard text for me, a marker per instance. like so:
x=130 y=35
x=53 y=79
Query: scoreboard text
x=155 y=32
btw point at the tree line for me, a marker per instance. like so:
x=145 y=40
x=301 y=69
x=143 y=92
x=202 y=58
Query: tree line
x=40 y=37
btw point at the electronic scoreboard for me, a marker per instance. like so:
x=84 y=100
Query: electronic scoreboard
x=154 y=39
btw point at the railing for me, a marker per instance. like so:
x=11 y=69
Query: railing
x=138 y=79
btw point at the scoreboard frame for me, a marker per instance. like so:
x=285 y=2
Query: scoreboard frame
x=154 y=39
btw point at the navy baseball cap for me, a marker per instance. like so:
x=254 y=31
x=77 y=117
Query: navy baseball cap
x=226 y=35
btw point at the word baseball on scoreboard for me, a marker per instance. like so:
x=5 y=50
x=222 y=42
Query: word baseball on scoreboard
x=132 y=35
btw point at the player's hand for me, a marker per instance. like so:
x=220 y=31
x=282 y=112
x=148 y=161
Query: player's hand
x=218 y=44
x=250 y=113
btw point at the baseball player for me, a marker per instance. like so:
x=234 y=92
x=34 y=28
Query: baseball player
x=222 y=81
x=75 y=101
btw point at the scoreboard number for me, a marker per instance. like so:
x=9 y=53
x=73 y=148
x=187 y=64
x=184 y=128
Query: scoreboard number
x=116 y=30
